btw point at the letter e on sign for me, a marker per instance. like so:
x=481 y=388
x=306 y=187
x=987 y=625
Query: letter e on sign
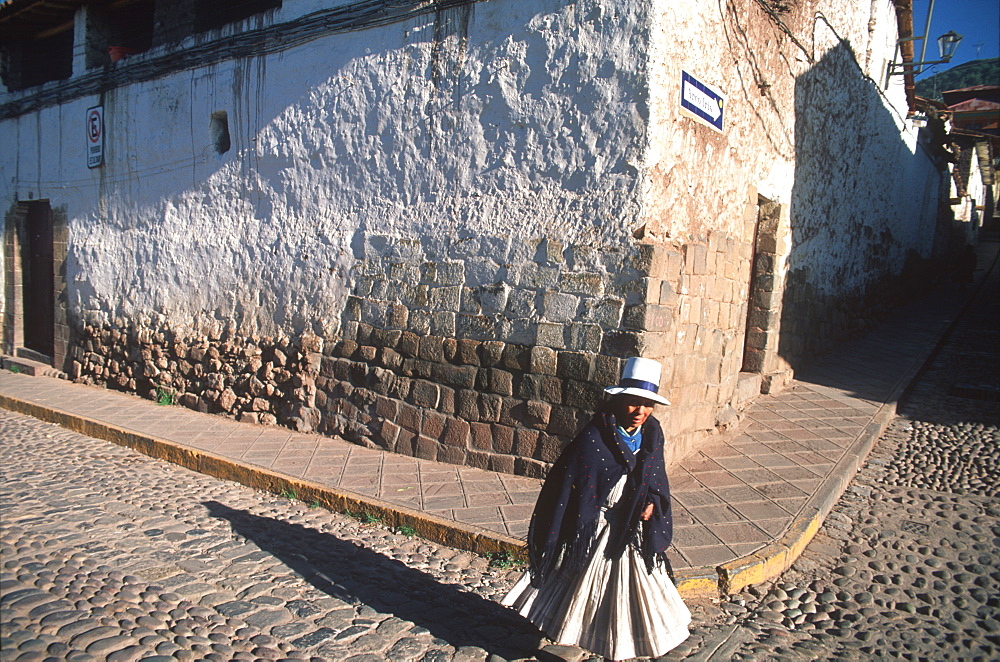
x=95 y=136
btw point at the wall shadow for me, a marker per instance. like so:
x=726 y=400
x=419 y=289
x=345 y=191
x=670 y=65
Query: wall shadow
x=863 y=211
x=357 y=575
x=868 y=292
x=961 y=381
x=950 y=338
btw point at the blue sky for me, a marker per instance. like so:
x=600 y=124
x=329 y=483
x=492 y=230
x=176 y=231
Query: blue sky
x=978 y=21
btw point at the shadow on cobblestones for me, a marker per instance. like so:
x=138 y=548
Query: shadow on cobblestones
x=357 y=575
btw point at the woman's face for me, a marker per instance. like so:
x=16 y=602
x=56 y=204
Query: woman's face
x=631 y=411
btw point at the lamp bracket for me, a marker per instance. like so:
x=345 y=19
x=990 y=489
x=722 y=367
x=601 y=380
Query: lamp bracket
x=902 y=66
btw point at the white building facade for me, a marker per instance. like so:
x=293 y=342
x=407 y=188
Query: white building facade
x=440 y=227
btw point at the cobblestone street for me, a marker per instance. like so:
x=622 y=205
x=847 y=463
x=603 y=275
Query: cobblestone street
x=117 y=556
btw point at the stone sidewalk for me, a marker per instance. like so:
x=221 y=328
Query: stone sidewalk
x=745 y=506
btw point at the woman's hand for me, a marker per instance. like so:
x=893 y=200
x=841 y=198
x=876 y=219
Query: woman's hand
x=646 y=513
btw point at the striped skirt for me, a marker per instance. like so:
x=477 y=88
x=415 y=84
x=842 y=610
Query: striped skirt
x=613 y=607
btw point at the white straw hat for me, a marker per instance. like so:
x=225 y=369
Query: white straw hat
x=640 y=377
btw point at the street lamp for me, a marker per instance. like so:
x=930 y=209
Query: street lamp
x=947 y=45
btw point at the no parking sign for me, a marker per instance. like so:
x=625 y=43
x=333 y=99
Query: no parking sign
x=95 y=136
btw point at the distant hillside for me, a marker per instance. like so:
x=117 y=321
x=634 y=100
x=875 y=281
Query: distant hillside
x=977 y=72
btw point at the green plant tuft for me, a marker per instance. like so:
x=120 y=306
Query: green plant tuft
x=164 y=396
x=504 y=560
x=407 y=531
x=363 y=517
x=289 y=493
x=15 y=369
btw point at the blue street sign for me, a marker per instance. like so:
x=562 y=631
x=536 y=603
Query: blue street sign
x=701 y=101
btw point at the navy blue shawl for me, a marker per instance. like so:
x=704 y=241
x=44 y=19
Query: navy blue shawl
x=563 y=526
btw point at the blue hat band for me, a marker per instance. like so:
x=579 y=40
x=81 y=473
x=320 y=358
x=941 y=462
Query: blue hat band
x=638 y=383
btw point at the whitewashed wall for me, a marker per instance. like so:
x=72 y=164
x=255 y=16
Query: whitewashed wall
x=971 y=203
x=520 y=116
x=811 y=123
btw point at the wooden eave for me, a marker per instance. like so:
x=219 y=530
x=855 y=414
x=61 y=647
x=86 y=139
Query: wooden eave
x=904 y=22
x=22 y=20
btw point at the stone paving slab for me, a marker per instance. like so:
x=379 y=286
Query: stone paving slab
x=745 y=505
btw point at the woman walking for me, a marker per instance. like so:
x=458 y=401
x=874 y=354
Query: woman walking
x=599 y=576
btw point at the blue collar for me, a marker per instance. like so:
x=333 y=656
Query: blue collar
x=632 y=441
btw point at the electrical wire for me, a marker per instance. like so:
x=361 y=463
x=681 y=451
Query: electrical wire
x=784 y=28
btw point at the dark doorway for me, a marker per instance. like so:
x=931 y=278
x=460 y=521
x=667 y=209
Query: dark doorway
x=39 y=280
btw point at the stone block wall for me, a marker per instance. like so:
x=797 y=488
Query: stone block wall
x=257 y=380
x=488 y=404
x=492 y=288
x=767 y=286
x=814 y=321
x=683 y=304
x=693 y=322
x=492 y=357
x=489 y=352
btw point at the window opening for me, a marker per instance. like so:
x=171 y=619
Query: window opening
x=32 y=62
x=219 y=130
x=127 y=28
x=179 y=19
